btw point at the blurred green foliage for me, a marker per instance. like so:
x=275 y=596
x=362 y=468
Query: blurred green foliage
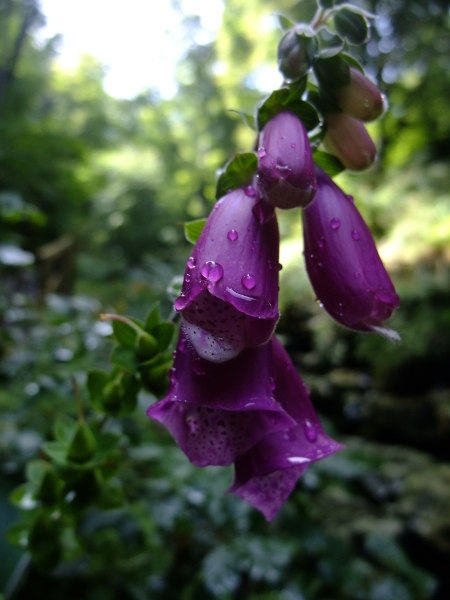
x=133 y=519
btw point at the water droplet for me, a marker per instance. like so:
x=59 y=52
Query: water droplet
x=198 y=367
x=310 y=431
x=321 y=242
x=248 y=281
x=262 y=152
x=212 y=271
x=182 y=345
x=232 y=235
x=279 y=266
x=250 y=191
x=174 y=354
x=356 y=275
x=191 y=262
x=269 y=265
x=187 y=277
x=273 y=385
x=350 y=199
x=172 y=375
x=293 y=145
x=355 y=235
x=319 y=302
x=217 y=204
x=335 y=223
x=254 y=246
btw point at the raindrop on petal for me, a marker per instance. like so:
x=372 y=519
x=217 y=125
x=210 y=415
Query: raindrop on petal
x=248 y=281
x=250 y=191
x=232 y=235
x=191 y=262
x=355 y=235
x=212 y=271
x=335 y=223
x=262 y=152
x=310 y=431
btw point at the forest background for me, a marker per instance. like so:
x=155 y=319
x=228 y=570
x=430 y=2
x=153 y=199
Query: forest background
x=92 y=191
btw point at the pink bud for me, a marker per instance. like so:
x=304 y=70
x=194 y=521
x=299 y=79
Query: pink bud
x=349 y=141
x=360 y=99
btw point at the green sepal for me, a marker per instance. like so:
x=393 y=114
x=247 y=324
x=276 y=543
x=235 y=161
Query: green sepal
x=35 y=471
x=119 y=397
x=193 y=230
x=147 y=345
x=83 y=444
x=352 y=26
x=124 y=359
x=284 y=22
x=154 y=373
x=64 y=429
x=249 y=120
x=352 y=62
x=329 y=163
x=238 y=172
x=126 y=333
x=96 y=381
x=164 y=333
x=332 y=72
x=289 y=99
x=153 y=319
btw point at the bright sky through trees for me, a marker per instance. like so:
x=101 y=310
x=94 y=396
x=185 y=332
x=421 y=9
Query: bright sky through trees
x=138 y=41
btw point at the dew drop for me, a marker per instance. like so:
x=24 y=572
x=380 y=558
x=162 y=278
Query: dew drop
x=356 y=275
x=321 y=242
x=182 y=345
x=172 y=375
x=269 y=265
x=212 y=271
x=319 y=302
x=254 y=247
x=248 y=281
x=310 y=431
x=273 y=385
x=335 y=223
x=293 y=145
x=279 y=266
x=350 y=199
x=262 y=152
x=187 y=277
x=191 y=262
x=250 y=191
x=355 y=235
x=232 y=235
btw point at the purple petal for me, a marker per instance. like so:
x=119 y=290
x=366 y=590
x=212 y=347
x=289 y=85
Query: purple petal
x=267 y=473
x=285 y=166
x=342 y=261
x=216 y=412
x=229 y=299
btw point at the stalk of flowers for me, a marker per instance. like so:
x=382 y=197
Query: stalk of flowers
x=252 y=410
x=229 y=298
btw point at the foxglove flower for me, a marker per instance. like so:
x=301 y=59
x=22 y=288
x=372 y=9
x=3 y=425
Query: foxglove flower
x=348 y=140
x=360 y=99
x=267 y=473
x=229 y=298
x=217 y=412
x=343 y=264
x=285 y=164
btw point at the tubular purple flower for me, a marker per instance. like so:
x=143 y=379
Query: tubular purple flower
x=217 y=412
x=343 y=264
x=268 y=472
x=285 y=165
x=348 y=140
x=229 y=298
x=360 y=99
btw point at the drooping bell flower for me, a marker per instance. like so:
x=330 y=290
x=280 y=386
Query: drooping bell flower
x=343 y=264
x=217 y=411
x=267 y=473
x=285 y=164
x=229 y=298
x=360 y=99
x=348 y=140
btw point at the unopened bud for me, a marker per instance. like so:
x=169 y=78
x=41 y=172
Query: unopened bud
x=348 y=140
x=296 y=52
x=360 y=99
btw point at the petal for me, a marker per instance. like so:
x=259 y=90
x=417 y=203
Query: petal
x=216 y=412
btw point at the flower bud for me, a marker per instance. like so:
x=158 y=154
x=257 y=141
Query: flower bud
x=360 y=99
x=285 y=165
x=343 y=264
x=348 y=140
x=295 y=54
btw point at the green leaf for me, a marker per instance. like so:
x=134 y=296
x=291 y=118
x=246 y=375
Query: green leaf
x=83 y=444
x=50 y=487
x=352 y=62
x=351 y=26
x=126 y=334
x=57 y=452
x=96 y=381
x=147 y=345
x=288 y=99
x=284 y=22
x=124 y=359
x=17 y=535
x=35 y=471
x=24 y=497
x=64 y=429
x=153 y=318
x=249 y=120
x=193 y=230
x=332 y=72
x=164 y=334
x=111 y=496
x=238 y=172
x=329 y=163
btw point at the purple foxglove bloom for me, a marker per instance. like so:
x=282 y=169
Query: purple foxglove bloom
x=229 y=299
x=216 y=412
x=348 y=140
x=360 y=99
x=285 y=165
x=268 y=472
x=343 y=264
